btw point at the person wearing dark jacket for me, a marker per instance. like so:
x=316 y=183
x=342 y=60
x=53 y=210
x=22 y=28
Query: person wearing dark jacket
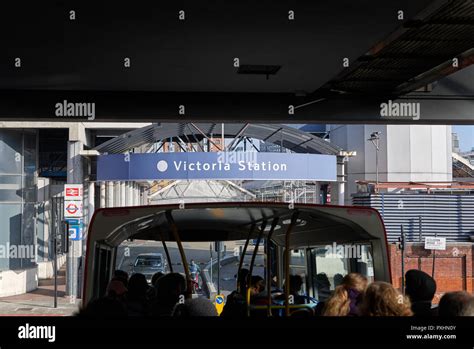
x=421 y=288
x=136 y=299
x=236 y=304
x=456 y=304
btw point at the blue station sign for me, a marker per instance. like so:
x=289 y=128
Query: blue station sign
x=75 y=229
x=217 y=165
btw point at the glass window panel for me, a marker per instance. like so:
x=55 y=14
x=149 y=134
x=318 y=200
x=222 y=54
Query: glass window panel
x=42 y=238
x=29 y=152
x=29 y=232
x=30 y=189
x=10 y=188
x=298 y=266
x=10 y=221
x=333 y=262
x=10 y=152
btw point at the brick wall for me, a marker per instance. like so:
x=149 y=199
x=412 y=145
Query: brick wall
x=453 y=267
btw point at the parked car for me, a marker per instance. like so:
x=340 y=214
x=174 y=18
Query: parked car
x=149 y=264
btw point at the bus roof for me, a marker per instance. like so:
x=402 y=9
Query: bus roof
x=316 y=224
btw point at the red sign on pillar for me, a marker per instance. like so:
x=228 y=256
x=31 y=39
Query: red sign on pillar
x=73 y=192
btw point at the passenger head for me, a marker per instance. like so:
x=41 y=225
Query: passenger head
x=382 y=299
x=420 y=286
x=322 y=281
x=122 y=276
x=296 y=282
x=454 y=303
x=195 y=307
x=155 y=278
x=242 y=279
x=338 y=279
x=104 y=307
x=346 y=296
x=116 y=288
x=323 y=286
x=169 y=287
x=137 y=286
x=468 y=309
x=257 y=285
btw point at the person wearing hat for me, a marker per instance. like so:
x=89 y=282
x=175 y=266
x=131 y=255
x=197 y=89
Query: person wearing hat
x=421 y=288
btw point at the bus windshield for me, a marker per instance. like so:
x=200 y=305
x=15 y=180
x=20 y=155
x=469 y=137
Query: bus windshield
x=152 y=262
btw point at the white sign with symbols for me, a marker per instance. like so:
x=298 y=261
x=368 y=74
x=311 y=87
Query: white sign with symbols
x=72 y=209
x=73 y=192
x=435 y=243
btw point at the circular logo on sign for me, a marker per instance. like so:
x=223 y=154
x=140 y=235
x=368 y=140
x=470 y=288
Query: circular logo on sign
x=162 y=165
x=71 y=208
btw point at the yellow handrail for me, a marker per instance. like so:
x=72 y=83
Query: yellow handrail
x=269 y=264
x=244 y=251
x=254 y=255
x=294 y=218
x=174 y=229
x=167 y=252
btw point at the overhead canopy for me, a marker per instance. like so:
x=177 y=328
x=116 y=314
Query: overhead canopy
x=200 y=191
x=192 y=62
x=288 y=137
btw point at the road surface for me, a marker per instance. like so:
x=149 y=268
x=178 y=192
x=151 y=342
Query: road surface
x=199 y=251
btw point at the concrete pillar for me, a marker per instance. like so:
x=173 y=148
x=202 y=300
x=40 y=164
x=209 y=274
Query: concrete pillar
x=137 y=194
x=112 y=190
x=109 y=199
x=142 y=196
x=134 y=193
x=133 y=202
x=91 y=200
x=317 y=193
x=102 y=195
x=116 y=194
x=122 y=193
x=75 y=175
x=341 y=181
x=129 y=193
x=44 y=199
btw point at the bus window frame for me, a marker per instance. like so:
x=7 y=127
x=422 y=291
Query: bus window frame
x=312 y=267
x=102 y=275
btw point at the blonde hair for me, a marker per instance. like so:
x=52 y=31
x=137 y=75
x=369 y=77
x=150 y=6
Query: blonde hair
x=339 y=302
x=382 y=299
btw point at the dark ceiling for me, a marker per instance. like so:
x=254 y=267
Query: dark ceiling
x=195 y=54
x=172 y=60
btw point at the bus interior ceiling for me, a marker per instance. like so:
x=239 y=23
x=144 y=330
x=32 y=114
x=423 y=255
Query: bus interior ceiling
x=296 y=226
x=314 y=224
